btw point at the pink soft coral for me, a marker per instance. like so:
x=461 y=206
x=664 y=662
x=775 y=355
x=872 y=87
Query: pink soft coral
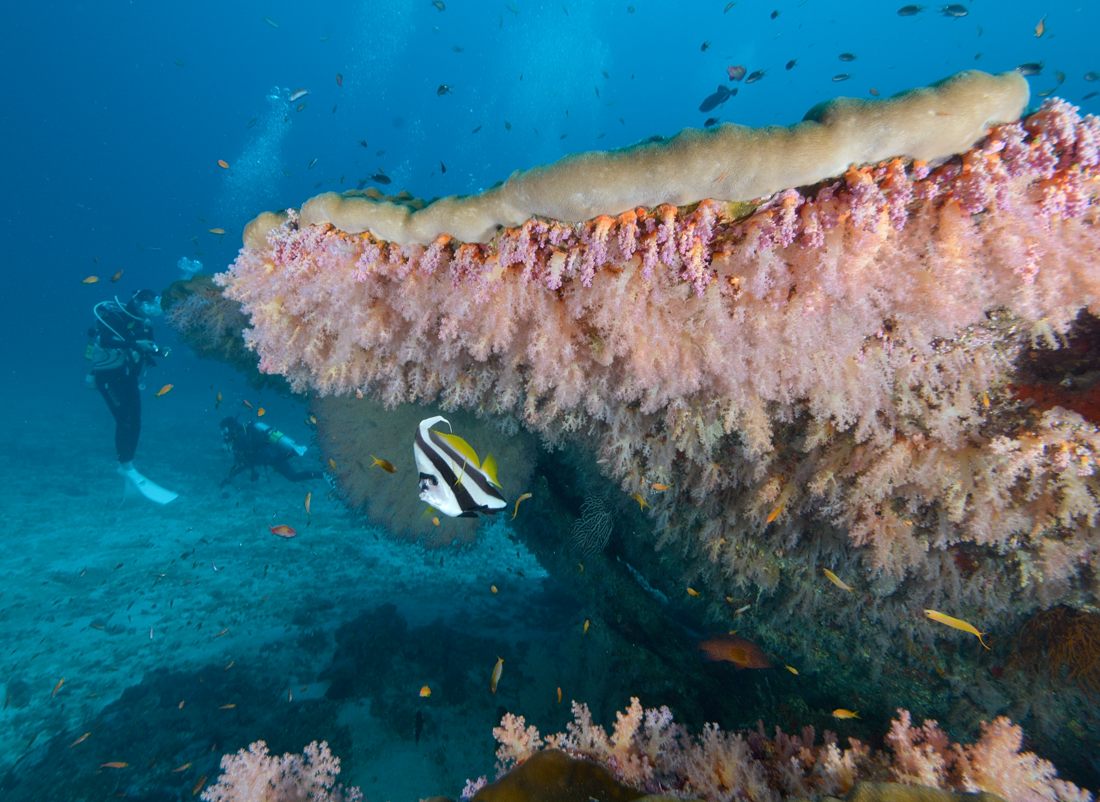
x=647 y=750
x=253 y=775
x=924 y=755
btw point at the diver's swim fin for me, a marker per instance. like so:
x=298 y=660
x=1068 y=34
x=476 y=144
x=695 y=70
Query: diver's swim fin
x=147 y=487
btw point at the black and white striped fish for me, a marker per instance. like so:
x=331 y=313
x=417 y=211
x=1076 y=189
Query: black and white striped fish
x=452 y=479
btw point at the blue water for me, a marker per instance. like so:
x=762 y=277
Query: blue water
x=113 y=120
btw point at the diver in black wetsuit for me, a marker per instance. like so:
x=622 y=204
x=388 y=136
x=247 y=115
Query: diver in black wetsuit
x=255 y=444
x=121 y=347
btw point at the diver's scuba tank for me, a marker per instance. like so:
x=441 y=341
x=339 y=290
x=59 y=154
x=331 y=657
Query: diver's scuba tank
x=101 y=358
x=280 y=439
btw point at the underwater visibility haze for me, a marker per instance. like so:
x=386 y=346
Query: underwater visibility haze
x=551 y=401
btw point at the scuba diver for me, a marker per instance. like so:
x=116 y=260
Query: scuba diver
x=120 y=350
x=256 y=444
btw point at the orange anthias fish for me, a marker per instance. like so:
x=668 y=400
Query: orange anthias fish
x=384 y=464
x=956 y=623
x=165 y=390
x=114 y=764
x=733 y=649
x=222 y=163
x=494 y=678
x=836 y=580
x=523 y=497
x=282 y=530
x=89 y=280
x=425 y=692
x=843 y=713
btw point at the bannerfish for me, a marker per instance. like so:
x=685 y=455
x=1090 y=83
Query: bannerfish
x=451 y=477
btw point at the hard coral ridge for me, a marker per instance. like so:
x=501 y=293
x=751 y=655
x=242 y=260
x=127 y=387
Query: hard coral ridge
x=730 y=162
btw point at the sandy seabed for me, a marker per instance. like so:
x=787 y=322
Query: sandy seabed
x=102 y=588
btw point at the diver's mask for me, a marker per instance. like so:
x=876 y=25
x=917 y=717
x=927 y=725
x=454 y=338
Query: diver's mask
x=145 y=303
x=150 y=308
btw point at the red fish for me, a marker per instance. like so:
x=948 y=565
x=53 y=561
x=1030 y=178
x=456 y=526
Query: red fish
x=733 y=649
x=282 y=530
